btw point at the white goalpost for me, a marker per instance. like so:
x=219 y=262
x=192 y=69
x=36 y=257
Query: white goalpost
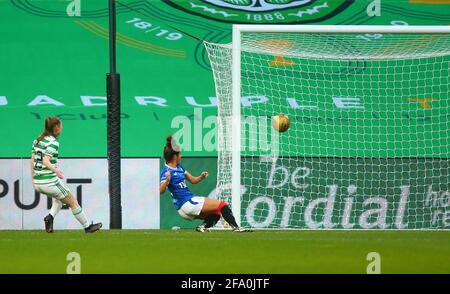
x=368 y=146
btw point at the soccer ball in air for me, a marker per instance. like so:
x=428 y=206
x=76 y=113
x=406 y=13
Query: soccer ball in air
x=281 y=122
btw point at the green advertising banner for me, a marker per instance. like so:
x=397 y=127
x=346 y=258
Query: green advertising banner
x=331 y=193
x=54 y=60
x=54 y=57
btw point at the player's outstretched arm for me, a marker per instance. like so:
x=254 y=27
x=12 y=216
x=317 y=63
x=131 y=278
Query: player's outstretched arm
x=51 y=167
x=195 y=180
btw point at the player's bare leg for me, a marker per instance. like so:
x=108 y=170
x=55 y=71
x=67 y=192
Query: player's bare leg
x=211 y=212
x=78 y=213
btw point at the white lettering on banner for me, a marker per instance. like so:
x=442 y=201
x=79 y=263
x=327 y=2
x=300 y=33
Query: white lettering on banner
x=295 y=177
x=22 y=208
x=327 y=216
x=436 y=214
x=347 y=102
x=146 y=100
x=381 y=211
x=439 y=202
x=251 y=212
x=434 y=199
x=305 y=173
x=431 y=196
x=191 y=101
x=289 y=204
x=446 y=219
x=445 y=199
x=368 y=218
x=347 y=213
x=246 y=101
x=294 y=104
x=273 y=171
x=346 y=216
x=402 y=207
x=44 y=100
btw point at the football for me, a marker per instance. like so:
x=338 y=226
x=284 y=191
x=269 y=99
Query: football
x=281 y=123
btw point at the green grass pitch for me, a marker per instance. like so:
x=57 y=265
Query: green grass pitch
x=185 y=251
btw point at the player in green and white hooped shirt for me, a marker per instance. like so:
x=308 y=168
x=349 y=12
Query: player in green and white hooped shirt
x=47 y=177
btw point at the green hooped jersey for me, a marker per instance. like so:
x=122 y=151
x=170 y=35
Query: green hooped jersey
x=48 y=146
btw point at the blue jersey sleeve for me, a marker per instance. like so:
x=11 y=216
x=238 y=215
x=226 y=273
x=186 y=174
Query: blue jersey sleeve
x=162 y=176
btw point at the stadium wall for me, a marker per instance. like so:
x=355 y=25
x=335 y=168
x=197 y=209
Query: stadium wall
x=22 y=208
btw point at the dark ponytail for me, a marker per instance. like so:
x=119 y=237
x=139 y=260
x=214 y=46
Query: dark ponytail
x=171 y=149
x=49 y=129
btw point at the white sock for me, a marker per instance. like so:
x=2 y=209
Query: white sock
x=56 y=207
x=78 y=213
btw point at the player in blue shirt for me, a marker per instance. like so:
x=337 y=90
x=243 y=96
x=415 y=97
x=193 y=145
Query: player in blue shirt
x=189 y=205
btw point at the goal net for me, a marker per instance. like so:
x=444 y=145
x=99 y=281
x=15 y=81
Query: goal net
x=368 y=145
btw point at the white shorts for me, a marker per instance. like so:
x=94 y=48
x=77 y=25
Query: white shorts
x=192 y=208
x=58 y=190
